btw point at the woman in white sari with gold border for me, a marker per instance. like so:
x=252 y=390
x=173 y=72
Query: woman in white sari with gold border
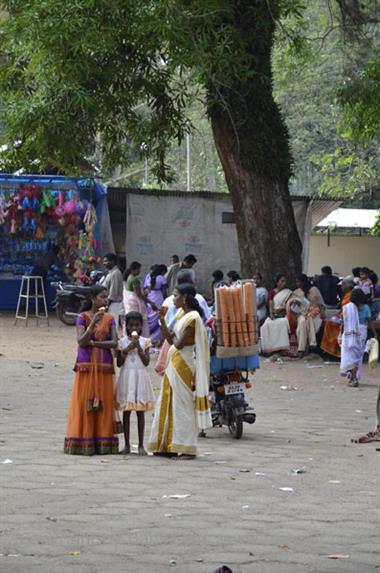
x=183 y=409
x=274 y=333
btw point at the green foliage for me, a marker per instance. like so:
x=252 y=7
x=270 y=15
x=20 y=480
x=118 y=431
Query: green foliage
x=375 y=231
x=93 y=82
x=361 y=101
x=327 y=159
x=74 y=75
x=73 y=78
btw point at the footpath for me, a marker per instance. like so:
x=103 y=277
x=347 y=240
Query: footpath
x=240 y=503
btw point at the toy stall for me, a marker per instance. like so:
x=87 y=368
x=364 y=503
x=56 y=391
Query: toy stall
x=57 y=227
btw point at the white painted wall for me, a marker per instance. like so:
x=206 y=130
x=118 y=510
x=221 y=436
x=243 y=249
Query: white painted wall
x=344 y=253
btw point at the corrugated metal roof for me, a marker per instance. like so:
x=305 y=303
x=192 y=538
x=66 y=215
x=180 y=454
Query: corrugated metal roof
x=116 y=196
x=350 y=218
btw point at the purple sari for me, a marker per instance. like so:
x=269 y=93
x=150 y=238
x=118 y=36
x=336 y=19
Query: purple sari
x=156 y=295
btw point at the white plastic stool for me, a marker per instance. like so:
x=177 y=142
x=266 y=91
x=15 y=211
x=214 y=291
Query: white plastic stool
x=37 y=295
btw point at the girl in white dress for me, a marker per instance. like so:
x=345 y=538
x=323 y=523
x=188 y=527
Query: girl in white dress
x=134 y=390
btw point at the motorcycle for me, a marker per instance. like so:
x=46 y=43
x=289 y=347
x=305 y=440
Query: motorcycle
x=69 y=298
x=227 y=400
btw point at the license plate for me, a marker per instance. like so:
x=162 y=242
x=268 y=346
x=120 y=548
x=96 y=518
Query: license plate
x=234 y=389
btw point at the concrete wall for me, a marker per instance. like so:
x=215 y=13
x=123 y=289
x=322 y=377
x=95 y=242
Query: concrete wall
x=151 y=225
x=344 y=253
x=159 y=226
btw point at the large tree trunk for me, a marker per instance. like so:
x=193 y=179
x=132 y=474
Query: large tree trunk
x=252 y=142
x=266 y=229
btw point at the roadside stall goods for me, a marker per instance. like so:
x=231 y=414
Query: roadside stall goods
x=48 y=226
x=236 y=323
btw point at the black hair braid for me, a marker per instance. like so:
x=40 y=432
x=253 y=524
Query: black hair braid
x=189 y=291
x=159 y=270
x=192 y=303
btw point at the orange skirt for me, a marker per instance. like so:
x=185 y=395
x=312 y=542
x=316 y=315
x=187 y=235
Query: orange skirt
x=91 y=431
x=329 y=341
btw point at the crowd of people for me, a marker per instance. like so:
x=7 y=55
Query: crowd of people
x=313 y=315
x=129 y=317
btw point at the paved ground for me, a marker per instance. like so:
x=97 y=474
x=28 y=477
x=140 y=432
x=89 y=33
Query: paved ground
x=64 y=513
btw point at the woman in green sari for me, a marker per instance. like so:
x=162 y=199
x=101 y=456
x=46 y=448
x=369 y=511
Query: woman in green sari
x=134 y=299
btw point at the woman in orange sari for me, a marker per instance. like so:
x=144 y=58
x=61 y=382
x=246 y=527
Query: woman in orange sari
x=332 y=326
x=91 y=425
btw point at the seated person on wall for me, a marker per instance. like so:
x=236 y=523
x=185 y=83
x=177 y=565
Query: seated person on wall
x=274 y=333
x=306 y=309
x=327 y=284
x=261 y=298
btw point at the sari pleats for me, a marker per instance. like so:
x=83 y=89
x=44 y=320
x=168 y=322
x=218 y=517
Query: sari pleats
x=92 y=419
x=91 y=431
x=174 y=428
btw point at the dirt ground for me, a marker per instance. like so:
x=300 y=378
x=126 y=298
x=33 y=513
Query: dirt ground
x=64 y=513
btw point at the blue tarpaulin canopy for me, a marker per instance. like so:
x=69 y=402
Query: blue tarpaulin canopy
x=59 y=182
x=87 y=188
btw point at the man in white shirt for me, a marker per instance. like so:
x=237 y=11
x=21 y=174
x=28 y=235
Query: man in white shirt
x=113 y=281
x=184 y=276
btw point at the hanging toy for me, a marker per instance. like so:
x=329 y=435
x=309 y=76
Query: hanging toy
x=90 y=247
x=40 y=232
x=60 y=211
x=48 y=203
x=73 y=219
x=2 y=212
x=80 y=274
x=71 y=241
x=25 y=224
x=34 y=203
x=81 y=208
x=33 y=224
x=25 y=197
x=82 y=240
x=26 y=203
x=90 y=219
x=70 y=207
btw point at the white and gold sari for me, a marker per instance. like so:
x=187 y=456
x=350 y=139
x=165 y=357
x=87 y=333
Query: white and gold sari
x=183 y=409
x=274 y=333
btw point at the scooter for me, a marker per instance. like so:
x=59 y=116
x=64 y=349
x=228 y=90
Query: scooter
x=228 y=404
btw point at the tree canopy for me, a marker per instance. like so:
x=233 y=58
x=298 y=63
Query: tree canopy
x=90 y=82
x=289 y=89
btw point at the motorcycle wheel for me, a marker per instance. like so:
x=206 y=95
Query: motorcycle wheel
x=63 y=317
x=236 y=427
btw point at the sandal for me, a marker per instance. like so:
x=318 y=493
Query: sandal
x=367 y=438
